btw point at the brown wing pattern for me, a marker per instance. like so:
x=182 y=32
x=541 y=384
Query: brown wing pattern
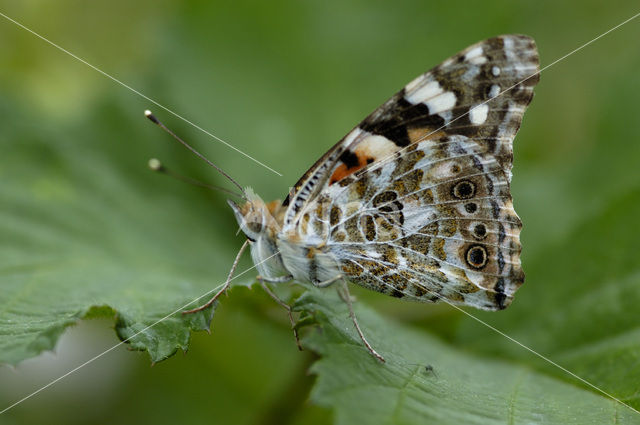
x=434 y=222
x=448 y=100
x=415 y=202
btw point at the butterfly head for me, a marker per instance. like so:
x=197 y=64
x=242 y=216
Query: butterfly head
x=256 y=218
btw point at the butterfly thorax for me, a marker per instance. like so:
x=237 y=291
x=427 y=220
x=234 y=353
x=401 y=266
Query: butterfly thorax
x=276 y=253
x=258 y=222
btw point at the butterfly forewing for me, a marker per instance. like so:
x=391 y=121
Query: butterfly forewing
x=446 y=100
x=415 y=201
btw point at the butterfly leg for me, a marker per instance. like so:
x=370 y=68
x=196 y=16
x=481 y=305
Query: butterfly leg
x=346 y=297
x=226 y=284
x=282 y=303
x=343 y=291
x=327 y=283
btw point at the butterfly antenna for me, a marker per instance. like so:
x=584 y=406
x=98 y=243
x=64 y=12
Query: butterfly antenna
x=157 y=166
x=157 y=122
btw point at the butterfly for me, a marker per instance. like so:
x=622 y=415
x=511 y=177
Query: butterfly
x=415 y=201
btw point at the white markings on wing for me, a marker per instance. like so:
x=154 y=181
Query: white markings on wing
x=431 y=94
x=376 y=146
x=475 y=56
x=478 y=115
x=443 y=102
x=494 y=91
x=424 y=93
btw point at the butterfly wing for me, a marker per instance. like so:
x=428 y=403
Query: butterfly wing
x=434 y=222
x=435 y=219
x=447 y=100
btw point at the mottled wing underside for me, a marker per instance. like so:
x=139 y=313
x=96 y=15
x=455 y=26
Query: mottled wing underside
x=415 y=201
x=436 y=221
x=438 y=102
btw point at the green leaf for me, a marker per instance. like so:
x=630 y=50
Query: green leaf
x=427 y=381
x=85 y=236
x=86 y=231
x=91 y=233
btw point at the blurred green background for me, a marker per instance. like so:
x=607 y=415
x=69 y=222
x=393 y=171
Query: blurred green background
x=283 y=81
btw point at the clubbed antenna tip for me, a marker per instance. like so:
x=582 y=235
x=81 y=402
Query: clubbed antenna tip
x=151 y=117
x=155 y=164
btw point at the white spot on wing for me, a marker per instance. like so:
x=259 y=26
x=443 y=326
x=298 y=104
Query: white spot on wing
x=352 y=136
x=447 y=62
x=442 y=102
x=441 y=169
x=424 y=93
x=473 y=53
x=495 y=71
x=494 y=91
x=475 y=56
x=376 y=146
x=478 y=115
x=508 y=50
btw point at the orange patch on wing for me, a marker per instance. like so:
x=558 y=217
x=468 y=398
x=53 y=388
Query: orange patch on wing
x=343 y=171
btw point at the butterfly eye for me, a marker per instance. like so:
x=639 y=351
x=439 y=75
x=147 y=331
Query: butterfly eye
x=254 y=226
x=477 y=256
x=463 y=190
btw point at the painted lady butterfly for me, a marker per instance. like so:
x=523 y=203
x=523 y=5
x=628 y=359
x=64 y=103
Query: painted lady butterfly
x=414 y=202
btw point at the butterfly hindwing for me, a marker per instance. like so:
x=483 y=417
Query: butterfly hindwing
x=435 y=221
